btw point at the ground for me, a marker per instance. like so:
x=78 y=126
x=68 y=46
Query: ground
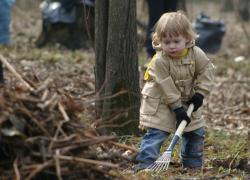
x=227 y=108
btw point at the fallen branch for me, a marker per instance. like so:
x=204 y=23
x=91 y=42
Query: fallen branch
x=16 y=170
x=39 y=169
x=84 y=143
x=48 y=102
x=124 y=146
x=64 y=114
x=57 y=163
x=7 y=64
x=89 y=161
x=27 y=112
x=44 y=85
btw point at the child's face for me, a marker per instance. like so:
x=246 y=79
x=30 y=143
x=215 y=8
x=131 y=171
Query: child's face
x=173 y=45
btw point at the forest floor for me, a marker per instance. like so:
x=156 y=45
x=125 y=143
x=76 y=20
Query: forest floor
x=227 y=109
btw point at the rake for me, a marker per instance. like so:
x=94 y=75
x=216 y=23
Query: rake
x=163 y=161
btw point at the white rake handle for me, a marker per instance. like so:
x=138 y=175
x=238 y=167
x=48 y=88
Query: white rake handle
x=184 y=122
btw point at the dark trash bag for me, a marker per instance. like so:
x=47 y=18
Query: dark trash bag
x=54 y=12
x=62 y=11
x=210 y=33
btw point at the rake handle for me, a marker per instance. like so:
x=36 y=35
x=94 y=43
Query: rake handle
x=183 y=123
x=180 y=129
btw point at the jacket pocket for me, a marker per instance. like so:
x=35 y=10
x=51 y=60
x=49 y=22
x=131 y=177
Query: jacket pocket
x=149 y=105
x=151 y=99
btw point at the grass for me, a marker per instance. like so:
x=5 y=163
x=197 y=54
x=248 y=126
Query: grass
x=221 y=145
x=47 y=54
x=223 y=152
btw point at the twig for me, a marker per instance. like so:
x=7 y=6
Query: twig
x=89 y=161
x=59 y=127
x=62 y=110
x=57 y=162
x=88 y=93
x=45 y=94
x=44 y=85
x=25 y=98
x=24 y=110
x=108 y=120
x=16 y=170
x=47 y=103
x=115 y=125
x=124 y=146
x=230 y=164
x=107 y=97
x=39 y=169
x=7 y=64
x=85 y=143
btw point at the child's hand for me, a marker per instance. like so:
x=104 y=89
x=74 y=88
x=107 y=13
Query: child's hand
x=181 y=114
x=197 y=101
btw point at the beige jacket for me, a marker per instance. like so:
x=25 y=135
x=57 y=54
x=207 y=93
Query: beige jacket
x=172 y=83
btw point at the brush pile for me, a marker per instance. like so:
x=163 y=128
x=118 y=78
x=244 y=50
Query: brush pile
x=42 y=136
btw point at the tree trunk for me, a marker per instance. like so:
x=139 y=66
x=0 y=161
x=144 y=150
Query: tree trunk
x=117 y=76
x=182 y=5
x=227 y=5
x=101 y=24
x=244 y=9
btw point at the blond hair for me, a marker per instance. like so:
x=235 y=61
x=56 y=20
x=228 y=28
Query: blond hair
x=173 y=24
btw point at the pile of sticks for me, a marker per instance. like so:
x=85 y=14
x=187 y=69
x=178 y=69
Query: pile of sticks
x=42 y=136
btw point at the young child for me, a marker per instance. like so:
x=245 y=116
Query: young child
x=179 y=74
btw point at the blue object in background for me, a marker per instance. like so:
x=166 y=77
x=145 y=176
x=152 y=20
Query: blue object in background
x=5 y=18
x=210 y=33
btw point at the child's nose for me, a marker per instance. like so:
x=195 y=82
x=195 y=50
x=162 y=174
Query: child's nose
x=172 y=45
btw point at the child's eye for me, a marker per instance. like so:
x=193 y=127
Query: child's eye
x=176 y=41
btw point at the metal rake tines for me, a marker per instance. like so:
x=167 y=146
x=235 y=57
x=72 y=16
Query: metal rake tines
x=161 y=163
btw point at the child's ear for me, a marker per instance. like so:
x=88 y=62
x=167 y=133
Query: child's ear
x=190 y=43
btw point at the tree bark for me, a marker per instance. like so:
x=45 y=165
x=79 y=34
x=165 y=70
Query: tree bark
x=244 y=9
x=227 y=5
x=101 y=24
x=117 y=76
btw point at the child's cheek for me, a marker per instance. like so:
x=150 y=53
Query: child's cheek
x=164 y=48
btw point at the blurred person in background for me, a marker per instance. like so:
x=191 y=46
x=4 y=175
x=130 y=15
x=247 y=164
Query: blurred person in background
x=5 y=19
x=156 y=8
x=69 y=23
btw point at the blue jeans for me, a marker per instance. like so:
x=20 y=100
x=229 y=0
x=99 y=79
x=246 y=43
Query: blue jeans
x=191 y=147
x=5 y=18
